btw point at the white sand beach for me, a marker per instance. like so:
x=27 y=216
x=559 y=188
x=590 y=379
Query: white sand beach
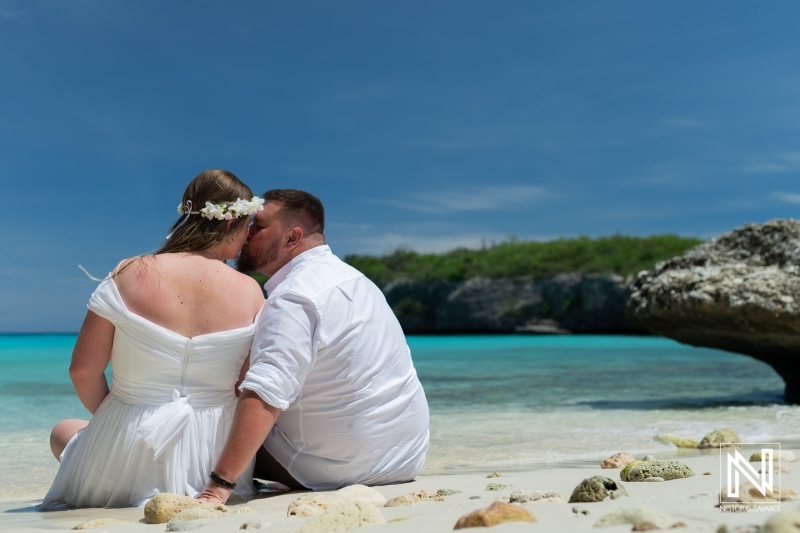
x=692 y=503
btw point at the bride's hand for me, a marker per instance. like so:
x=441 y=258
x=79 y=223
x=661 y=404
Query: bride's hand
x=214 y=493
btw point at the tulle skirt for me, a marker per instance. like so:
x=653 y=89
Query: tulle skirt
x=129 y=453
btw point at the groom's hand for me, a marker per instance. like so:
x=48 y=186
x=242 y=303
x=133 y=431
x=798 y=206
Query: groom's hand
x=252 y=423
x=215 y=493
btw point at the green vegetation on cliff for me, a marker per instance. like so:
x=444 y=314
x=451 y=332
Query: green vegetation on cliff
x=617 y=254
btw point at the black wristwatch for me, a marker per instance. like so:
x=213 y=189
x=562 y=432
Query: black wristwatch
x=227 y=484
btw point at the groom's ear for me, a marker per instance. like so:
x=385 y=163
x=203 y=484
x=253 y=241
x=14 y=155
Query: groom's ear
x=294 y=237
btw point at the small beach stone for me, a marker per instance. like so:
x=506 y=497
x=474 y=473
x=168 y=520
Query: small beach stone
x=554 y=499
x=649 y=458
x=653 y=479
x=497 y=513
x=783 y=455
x=524 y=496
x=321 y=502
x=635 y=516
x=644 y=526
x=495 y=474
x=348 y=515
x=474 y=497
x=778 y=467
x=495 y=486
x=618 y=460
x=680 y=442
x=580 y=511
x=362 y=493
x=414 y=497
x=181 y=525
x=707 y=473
x=749 y=528
x=162 y=507
x=447 y=492
x=783 y=522
x=720 y=438
x=255 y=524
x=667 y=470
x=97 y=522
x=749 y=493
x=314 y=505
x=597 y=489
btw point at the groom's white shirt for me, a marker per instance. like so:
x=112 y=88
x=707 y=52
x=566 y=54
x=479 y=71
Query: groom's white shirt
x=329 y=352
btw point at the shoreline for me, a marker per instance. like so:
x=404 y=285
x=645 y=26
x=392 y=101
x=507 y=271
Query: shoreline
x=693 y=501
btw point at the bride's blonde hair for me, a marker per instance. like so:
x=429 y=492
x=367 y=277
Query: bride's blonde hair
x=197 y=233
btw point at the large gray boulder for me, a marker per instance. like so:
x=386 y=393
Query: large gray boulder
x=738 y=292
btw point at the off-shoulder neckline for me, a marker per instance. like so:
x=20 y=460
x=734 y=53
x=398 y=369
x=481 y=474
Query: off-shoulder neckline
x=172 y=332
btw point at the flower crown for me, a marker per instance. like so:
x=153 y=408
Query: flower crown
x=225 y=211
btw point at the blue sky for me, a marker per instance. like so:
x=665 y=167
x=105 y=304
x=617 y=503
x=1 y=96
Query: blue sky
x=427 y=124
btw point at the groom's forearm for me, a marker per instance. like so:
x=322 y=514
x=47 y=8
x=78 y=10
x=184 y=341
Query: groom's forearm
x=252 y=423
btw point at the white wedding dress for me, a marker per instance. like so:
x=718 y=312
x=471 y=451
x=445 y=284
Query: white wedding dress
x=165 y=421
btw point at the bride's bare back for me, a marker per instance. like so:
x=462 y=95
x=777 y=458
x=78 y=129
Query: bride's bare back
x=189 y=293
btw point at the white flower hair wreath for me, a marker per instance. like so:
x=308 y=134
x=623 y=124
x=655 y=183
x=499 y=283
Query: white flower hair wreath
x=225 y=211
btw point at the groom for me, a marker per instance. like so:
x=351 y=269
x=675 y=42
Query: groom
x=331 y=398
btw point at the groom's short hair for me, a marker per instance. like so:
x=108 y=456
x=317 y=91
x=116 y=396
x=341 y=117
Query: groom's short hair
x=299 y=208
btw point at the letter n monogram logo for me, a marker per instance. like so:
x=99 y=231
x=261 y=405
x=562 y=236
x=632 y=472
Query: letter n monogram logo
x=737 y=465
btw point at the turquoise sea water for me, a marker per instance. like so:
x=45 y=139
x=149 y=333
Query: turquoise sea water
x=506 y=402
x=497 y=402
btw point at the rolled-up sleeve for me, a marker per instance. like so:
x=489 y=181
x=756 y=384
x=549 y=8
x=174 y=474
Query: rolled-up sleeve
x=284 y=349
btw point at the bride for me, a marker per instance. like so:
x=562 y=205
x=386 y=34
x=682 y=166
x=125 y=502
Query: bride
x=176 y=327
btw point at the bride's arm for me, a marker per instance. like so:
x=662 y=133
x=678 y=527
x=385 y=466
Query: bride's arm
x=89 y=360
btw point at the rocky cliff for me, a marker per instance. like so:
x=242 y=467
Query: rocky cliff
x=566 y=303
x=739 y=292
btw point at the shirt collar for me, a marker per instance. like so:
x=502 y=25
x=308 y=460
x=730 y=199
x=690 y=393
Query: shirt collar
x=283 y=273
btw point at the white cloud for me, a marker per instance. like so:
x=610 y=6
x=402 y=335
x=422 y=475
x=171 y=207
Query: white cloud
x=788 y=197
x=367 y=239
x=385 y=243
x=382 y=244
x=476 y=199
x=786 y=162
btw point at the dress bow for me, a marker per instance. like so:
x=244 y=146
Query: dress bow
x=167 y=424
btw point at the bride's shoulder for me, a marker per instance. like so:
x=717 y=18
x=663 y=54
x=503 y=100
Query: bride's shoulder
x=249 y=287
x=135 y=270
x=131 y=267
